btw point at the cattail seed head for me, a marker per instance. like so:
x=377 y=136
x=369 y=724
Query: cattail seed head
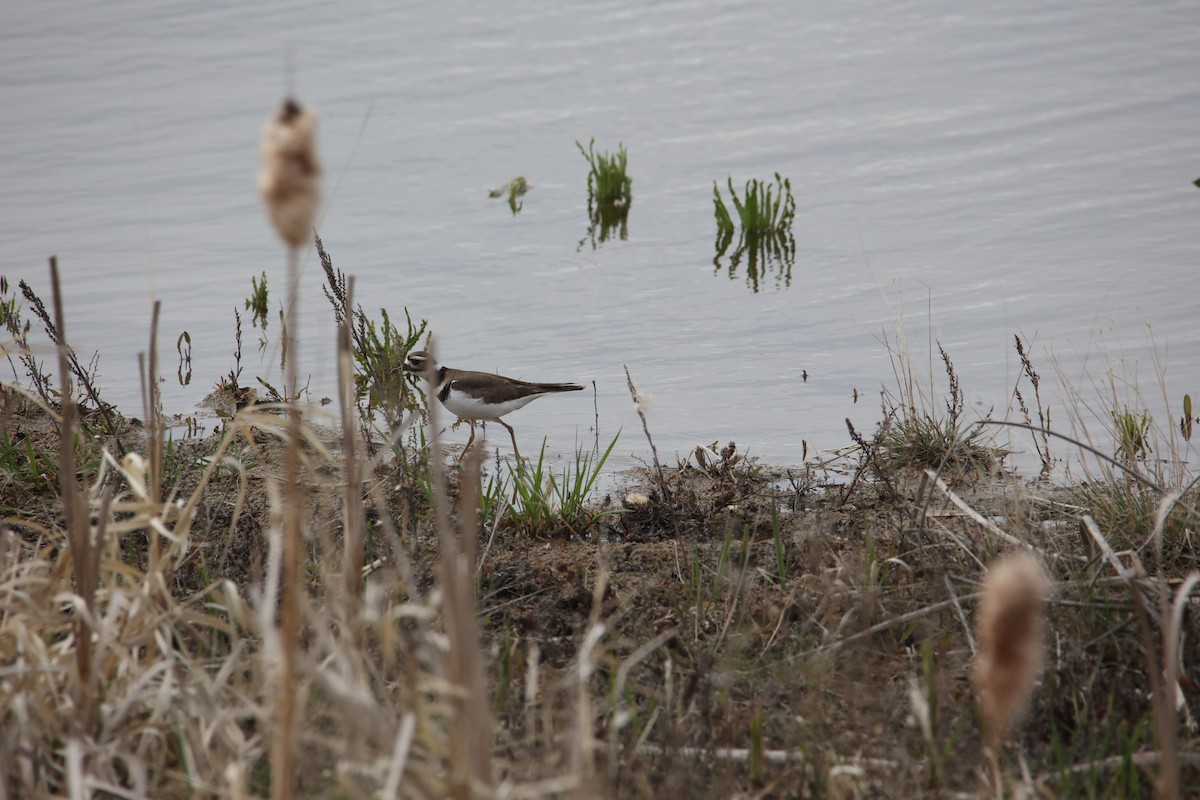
x=290 y=175
x=636 y=499
x=1009 y=627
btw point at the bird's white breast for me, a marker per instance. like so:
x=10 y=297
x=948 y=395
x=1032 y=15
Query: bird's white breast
x=466 y=407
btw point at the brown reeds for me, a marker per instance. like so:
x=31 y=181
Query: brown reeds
x=1009 y=629
x=289 y=182
x=471 y=735
x=85 y=557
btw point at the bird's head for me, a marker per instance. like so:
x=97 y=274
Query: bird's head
x=419 y=362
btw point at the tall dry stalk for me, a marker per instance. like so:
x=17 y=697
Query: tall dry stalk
x=640 y=403
x=85 y=557
x=152 y=411
x=289 y=182
x=352 y=511
x=471 y=732
x=283 y=755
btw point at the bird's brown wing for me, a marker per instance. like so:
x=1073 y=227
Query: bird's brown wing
x=501 y=389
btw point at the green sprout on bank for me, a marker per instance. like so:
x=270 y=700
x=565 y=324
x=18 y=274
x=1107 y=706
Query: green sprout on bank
x=610 y=193
x=546 y=502
x=379 y=350
x=765 y=213
x=1133 y=434
x=1185 y=422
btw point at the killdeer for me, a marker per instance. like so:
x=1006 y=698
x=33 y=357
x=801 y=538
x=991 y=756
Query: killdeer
x=476 y=396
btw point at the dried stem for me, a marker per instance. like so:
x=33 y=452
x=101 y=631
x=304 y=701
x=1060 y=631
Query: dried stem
x=83 y=561
x=284 y=744
x=152 y=409
x=471 y=734
x=352 y=511
x=633 y=393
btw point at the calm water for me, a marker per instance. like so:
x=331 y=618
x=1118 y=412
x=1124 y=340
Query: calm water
x=1012 y=168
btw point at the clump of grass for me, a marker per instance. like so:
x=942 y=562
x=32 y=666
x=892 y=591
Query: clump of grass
x=764 y=226
x=1140 y=501
x=763 y=208
x=132 y=637
x=1133 y=513
x=25 y=467
x=610 y=194
x=1132 y=431
x=608 y=183
x=919 y=436
x=549 y=502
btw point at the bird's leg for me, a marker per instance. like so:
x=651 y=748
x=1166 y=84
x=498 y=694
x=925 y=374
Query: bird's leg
x=469 y=440
x=513 y=434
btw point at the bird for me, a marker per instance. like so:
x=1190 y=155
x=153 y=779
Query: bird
x=474 y=396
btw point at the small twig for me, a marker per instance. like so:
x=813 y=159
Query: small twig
x=883 y=626
x=782 y=616
x=1148 y=759
x=770 y=756
x=353 y=519
x=622 y=678
x=375 y=566
x=596 y=411
x=961 y=616
x=500 y=511
x=633 y=393
x=1125 y=574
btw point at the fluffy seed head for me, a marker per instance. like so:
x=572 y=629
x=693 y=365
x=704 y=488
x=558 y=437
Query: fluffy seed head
x=290 y=176
x=636 y=499
x=1009 y=628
